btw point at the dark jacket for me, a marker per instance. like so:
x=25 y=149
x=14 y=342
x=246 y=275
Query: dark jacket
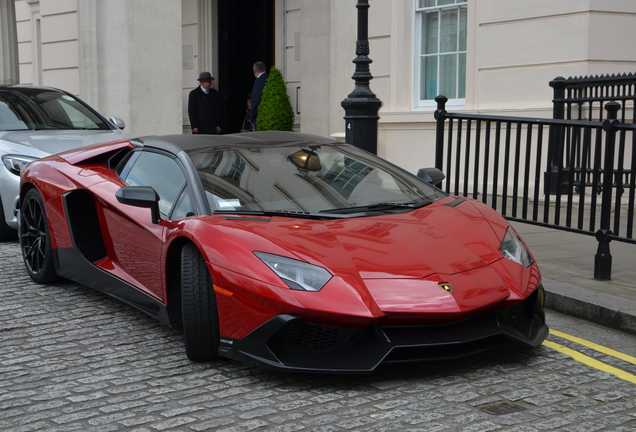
x=257 y=93
x=205 y=110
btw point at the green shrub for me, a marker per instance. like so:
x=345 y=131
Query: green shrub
x=275 y=111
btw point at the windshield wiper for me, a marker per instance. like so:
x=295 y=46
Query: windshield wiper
x=280 y=213
x=383 y=206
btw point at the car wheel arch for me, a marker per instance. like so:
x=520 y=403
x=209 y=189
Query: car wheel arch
x=55 y=232
x=25 y=188
x=173 y=278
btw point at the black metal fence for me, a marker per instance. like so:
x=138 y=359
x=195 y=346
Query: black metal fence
x=505 y=162
x=583 y=98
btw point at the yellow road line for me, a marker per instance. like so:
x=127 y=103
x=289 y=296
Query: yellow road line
x=591 y=362
x=596 y=347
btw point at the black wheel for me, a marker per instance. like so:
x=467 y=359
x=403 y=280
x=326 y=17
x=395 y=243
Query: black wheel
x=35 y=239
x=6 y=232
x=198 y=307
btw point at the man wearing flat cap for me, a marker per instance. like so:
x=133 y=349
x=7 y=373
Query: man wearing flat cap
x=205 y=107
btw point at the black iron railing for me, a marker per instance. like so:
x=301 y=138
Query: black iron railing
x=583 y=98
x=578 y=98
x=502 y=161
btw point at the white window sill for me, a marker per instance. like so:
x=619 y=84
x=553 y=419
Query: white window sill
x=431 y=106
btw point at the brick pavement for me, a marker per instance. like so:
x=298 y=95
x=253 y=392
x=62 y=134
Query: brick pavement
x=75 y=360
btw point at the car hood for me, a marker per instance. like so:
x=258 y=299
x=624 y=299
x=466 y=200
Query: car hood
x=392 y=264
x=438 y=239
x=46 y=142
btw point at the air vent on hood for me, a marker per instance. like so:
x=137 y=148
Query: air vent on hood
x=247 y=219
x=456 y=202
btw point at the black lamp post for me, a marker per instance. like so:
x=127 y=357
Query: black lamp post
x=362 y=106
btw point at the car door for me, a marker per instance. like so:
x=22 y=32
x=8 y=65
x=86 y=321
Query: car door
x=136 y=244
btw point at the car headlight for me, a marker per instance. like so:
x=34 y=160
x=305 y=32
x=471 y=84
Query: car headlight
x=513 y=248
x=16 y=163
x=298 y=275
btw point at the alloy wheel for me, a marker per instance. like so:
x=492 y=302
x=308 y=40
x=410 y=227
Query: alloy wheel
x=33 y=235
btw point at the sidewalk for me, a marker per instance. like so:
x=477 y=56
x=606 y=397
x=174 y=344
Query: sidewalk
x=567 y=264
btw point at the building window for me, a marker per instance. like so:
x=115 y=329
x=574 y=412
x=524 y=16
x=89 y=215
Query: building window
x=441 y=27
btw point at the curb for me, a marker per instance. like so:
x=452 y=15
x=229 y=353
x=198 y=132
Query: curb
x=605 y=309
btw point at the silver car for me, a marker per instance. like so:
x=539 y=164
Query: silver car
x=36 y=122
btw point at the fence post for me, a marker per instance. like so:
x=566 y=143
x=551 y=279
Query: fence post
x=440 y=116
x=603 y=258
x=555 y=140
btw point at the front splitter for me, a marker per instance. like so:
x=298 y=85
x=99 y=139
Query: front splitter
x=291 y=343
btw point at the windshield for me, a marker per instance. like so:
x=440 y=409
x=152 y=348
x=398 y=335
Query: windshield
x=303 y=178
x=37 y=109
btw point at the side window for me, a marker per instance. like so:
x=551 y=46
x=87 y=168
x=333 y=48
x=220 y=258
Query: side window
x=9 y=118
x=183 y=209
x=158 y=171
x=121 y=162
x=66 y=112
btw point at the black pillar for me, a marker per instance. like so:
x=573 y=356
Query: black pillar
x=440 y=118
x=362 y=106
x=603 y=257
x=553 y=175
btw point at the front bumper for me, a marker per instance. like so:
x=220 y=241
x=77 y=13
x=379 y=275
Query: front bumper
x=291 y=343
x=9 y=195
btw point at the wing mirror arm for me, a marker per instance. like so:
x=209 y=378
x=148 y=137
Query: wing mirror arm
x=141 y=196
x=154 y=214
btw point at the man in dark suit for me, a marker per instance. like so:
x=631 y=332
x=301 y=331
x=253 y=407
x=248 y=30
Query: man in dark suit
x=205 y=107
x=260 y=73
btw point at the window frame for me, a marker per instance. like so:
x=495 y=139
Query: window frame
x=420 y=104
x=185 y=192
x=129 y=162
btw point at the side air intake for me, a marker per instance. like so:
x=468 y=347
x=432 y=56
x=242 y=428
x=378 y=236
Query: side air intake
x=84 y=224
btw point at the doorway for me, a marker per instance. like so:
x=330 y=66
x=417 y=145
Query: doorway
x=246 y=35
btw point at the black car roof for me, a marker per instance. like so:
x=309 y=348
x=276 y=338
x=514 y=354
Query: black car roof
x=191 y=143
x=22 y=88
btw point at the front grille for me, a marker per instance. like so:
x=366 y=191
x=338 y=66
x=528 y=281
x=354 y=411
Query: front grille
x=442 y=352
x=325 y=347
x=473 y=328
x=311 y=337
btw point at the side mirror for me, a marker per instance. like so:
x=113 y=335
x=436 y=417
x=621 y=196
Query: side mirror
x=140 y=196
x=117 y=122
x=432 y=176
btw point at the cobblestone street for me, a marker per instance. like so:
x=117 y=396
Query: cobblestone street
x=72 y=359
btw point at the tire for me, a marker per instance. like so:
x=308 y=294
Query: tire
x=6 y=232
x=35 y=239
x=198 y=307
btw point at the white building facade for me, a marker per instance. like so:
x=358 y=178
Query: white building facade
x=138 y=59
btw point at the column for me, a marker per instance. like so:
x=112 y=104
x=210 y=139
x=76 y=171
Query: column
x=8 y=43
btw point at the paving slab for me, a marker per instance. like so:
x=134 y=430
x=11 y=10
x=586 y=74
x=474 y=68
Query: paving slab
x=72 y=359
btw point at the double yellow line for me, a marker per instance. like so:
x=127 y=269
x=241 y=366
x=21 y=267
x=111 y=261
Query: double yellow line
x=589 y=361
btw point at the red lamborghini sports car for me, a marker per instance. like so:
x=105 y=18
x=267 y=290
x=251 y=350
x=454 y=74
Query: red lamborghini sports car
x=288 y=250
